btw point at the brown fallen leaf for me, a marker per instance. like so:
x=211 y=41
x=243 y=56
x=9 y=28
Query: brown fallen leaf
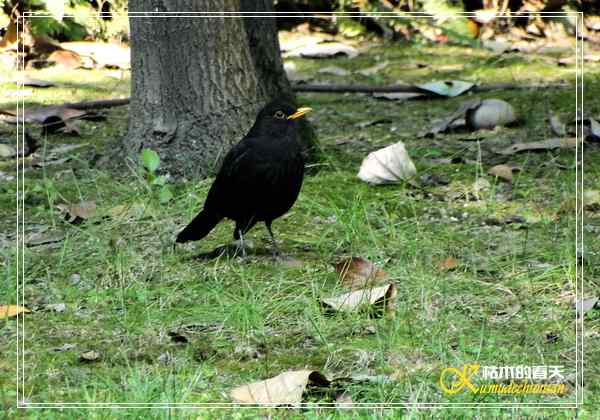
x=104 y=54
x=369 y=71
x=449 y=88
x=369 y=123
x=591 y=200
x=27 y=81
x=497 y=47
x=10 y=38
x=398 y=96
x=504 y=172
x=553 y=143
x=557 y=126
x=64 y=347
x=54 y=162
x=56 y=307
x=7 y=151
x=9 y=311
x=52 y=118
x=89 y=356
x=66 y=59
x=327 y=50
x=358 y=272
x=505 y=314
x=381 y=299
x=457 y=118
x=70 y=128
x=584 y=305
x=449 y=263
x=284 y=389
x=77 y=213
x=389 y=164
x=336 y=71
x=44 y=238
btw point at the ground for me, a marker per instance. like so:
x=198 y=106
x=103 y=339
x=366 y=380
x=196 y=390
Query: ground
x=167 y=327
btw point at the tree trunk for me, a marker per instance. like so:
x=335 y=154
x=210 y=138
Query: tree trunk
x=197 y=82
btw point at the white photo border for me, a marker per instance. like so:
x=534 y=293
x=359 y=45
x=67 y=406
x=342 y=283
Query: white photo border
x=579 y=291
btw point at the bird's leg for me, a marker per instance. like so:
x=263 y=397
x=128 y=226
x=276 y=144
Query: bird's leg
x=241 y=246
x=276 y=250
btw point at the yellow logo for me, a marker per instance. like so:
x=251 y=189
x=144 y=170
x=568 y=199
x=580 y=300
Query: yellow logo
x=453 y=380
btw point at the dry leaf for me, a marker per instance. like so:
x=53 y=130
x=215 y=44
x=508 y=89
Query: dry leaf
x=336 y=71
x=89 y=356
x=449 y=263
x=557 y=126
x=389 y=164
x=504 y=172
x=64 y=347
x=505 y=314
x=66 y=59
x=44 y=238
x=327 y=50
x=48 y=115
x=284 y=389
x=553 y=143
x=481 y=185
x=51 y=162
x=449 y=88
x=293 y=75
x=289 y=41
x=369 y=71
x=380 y=298
x=584 y=305
x=489 y=114
x=456 y=119
x=357 y=272
x=591 y=200
x=104 y=54
x=7 y=151
x=398 y=96
x=369 y=123
x=497 y=47
x=70 y=128
x=27 y=81
x=77 y=213
x=9 y=311
x=56 y=307
x=9 y=40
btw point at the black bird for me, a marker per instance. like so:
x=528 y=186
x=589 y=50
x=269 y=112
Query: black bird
x=260 y=177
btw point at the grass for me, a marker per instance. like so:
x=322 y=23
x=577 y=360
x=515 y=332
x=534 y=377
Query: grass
x=126 y=290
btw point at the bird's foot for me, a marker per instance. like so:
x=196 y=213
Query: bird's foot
x=241 y=247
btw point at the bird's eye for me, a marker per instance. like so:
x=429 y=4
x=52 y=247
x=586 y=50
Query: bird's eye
x=280 y=115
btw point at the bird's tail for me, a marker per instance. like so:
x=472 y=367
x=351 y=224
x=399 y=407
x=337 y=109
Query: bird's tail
x=198 y=228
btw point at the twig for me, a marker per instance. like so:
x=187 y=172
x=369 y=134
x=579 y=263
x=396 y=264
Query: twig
x=109 y=103
x=103 y=103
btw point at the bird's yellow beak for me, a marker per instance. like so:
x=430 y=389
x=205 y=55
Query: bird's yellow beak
x=299 y=112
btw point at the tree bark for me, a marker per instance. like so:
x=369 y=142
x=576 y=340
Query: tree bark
x=198 y=82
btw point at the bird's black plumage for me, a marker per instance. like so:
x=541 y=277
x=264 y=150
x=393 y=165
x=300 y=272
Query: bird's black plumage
x=260 y=177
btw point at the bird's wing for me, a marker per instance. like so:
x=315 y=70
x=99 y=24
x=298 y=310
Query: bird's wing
x=238 y=167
